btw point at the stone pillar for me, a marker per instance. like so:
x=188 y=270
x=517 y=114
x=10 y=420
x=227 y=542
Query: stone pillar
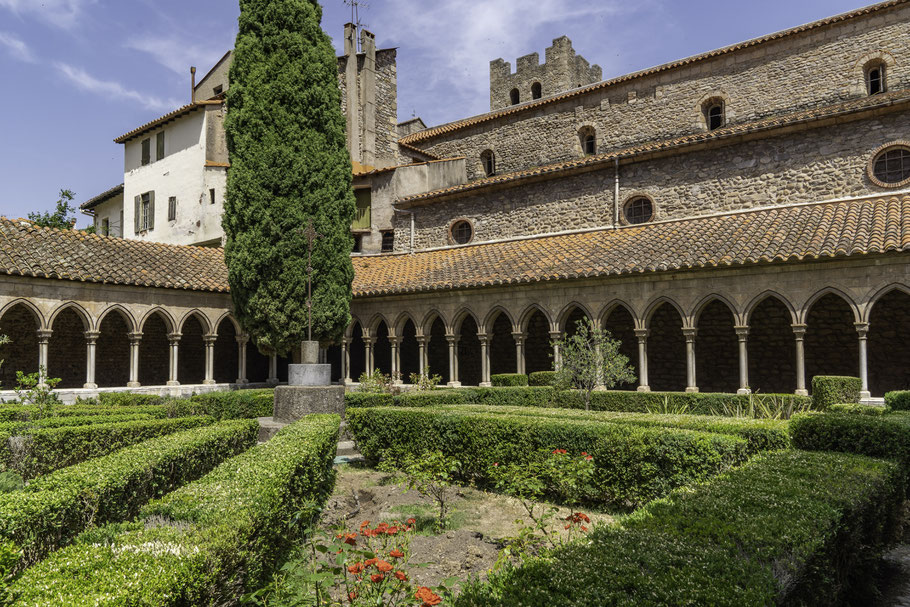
x=368 y=354
x=453 y=361
x=91 y=342
x=520 y=352
x=135 y=340
x=209 y=341
x=422 y=342
x=742 y=333
x=690 y=333
x=555 y=336
x=242 y=341
x=799 y=332
x=273 y=370
x=642 y=335
x=862 y=330
x=346 y=360
x=484 y=360
x=395 y=342
x=44 y=338
x=174 y=340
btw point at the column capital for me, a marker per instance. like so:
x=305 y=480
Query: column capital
x=484 y=338
x=422 y=339
x=209 y=340
x=519 y=336
x=242 y=339
x=368 y=341
x=690 y=333
x=346 y=341
x=92 y=336
x=799 y=330
x=453 y=339
x=394 y=340
x=44 y=335
x=641 y=334
x=174 y=338
x=862 y=328
x=135 y=337
x=556 y=335
x=742 y=331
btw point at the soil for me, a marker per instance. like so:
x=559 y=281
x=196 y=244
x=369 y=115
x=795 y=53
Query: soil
x=478 y=526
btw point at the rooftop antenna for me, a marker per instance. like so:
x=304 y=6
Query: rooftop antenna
x=355 y=15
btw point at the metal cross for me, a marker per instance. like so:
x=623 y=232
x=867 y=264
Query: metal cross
x=311 y=235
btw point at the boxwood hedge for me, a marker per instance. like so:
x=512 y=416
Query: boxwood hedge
x=858 y=409
x=54 y=508
x=830 y=390
x=232 y=404
x=633 y=464
x=74 y=420
x=12 y=413
x=898 y=400
x=509 y=379
x=542 y=378
x=788 y=528
x=203 y=544
x=875 y=436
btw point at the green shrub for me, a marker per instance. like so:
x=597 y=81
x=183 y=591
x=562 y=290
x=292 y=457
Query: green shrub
x=44 y=450
x=205 y=543
x=12 y=413
x=509 y=379
x=899 y=400
x=367 y=399
x=634 y=464
x=829 y=390
x=761 y=434
x=54 y=508
x=876 y=436
x=235 y=404
x=128 y=399
x=857 y=409
x=788 y=528
x=24 y=427
x=542 y=378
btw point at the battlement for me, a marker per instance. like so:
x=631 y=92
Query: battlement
x=562 y=70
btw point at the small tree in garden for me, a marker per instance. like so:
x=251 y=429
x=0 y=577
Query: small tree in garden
x=589 y=359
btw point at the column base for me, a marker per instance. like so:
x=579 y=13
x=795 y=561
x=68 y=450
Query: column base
x=454 y=384
x=485 y=384
x=272 y=381
x=208 y=382
x=801 y=393
x=744 y=391
x=90 y=386
x=242 y=381
x=133 y=384
x=173 y=383
x=865 y=395
x=644 y=388
x=691 y=389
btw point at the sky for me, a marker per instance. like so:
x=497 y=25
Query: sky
x=75 y=74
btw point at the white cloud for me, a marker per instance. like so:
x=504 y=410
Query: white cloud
x=112 y=90
x=177 y=55
x=17 y=47
x=61 y=13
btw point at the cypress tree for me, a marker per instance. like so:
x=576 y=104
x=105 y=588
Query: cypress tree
x=289 y=164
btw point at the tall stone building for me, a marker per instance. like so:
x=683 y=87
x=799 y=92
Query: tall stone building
x=739 y=219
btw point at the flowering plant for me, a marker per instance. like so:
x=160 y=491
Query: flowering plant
x=431 y=475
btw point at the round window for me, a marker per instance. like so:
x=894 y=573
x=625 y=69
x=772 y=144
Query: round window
x=639 y=210
x=891 y=168
x=462 y=232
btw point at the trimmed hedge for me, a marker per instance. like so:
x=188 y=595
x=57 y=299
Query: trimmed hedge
x=898 y=400
x=788 y=528
x=13 y=413
x=75 y=420
x=233 y=404
x=829 y=390
x=876 y=436
x=44 y=450
x=367 y=399
x=128 y=399
x=207 y=542
x=857 y=409
x=761 y=434
x=633 y=464
x=509 y=379
x=542 y=378
x=53 y=509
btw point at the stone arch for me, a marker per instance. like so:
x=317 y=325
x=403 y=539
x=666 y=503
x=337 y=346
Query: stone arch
x=874 y=299
x=80 y=312
x=503 y=354
x=860 y=68
x=469 y=352
x=714 y=97
x=536 y=324
x=854 y=309
x=227 y=355
x=655 y=304
x=708 y=300
x=164 y=315
x=618 y=319
x=357 y=351
x=529 y=312
x=203 y=320
x=154 y=349
x=191 y=357
x=493 y=315
x=112 y=353
x=128 y=316
x=568 y=318
x=666 y=346
x=761 y=297
x=458 y=320
x=831 y=342
x=228 y=316
x=429 y=318
x=20 y=320
x=888 y=346
x=437 y=347
x=349 y=330
x=378 y=319
x=31 y=306
x=771 y=345
x=716 y=346
x=382 y=347
x=66 y=353
x=401 y=321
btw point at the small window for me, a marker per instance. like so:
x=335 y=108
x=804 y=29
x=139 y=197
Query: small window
x=639 y=210
x=875 y=79
x=891 y=168
x=588 y=140
x=105 y=227
x=488 y=160
x=172 y=208
x=145 y=212
x=218 y=89
x=462 y=232
x=212 y=196
x=514 y=96
x=714 y=115
x=159 y=144
x=358 y=243
x=388 y=241
x=146 y=151
x=536 y=92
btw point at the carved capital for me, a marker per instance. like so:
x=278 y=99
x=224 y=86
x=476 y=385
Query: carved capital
x=862 y=328
x=690 y=333
x=209 y=340
x=742 y=332
x=799 y=330
x=243 y=339
x=134 y=338
x=174 y=338
x=91 y=337
x=44 y=335
x=642 y=334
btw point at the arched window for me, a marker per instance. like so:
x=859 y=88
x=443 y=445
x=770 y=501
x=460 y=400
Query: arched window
x=638 y=209
x=536 y=92
x=714 y=114
x=890 y=168
x=515 y=96
x=587 y=138
x=875 y=78
x=488 y=160
x=462 y=232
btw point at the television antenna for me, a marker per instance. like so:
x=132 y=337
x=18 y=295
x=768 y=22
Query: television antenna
x=356 y=5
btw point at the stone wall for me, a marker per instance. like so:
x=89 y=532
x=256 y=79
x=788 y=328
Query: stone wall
x=798 y=167
x=813 y=68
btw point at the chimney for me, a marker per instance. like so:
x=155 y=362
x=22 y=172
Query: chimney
x=193 y=84
x=352 y=92
x=368 y=99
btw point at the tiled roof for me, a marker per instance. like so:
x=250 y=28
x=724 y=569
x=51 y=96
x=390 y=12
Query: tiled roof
x=28 y=250
x=896 y=99
x=531 y=105
x=793 y=233
x=179 y=112
x=91 y=203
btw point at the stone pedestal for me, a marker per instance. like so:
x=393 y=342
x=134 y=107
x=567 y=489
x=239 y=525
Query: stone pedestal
x=309 y=375
x=294 y=402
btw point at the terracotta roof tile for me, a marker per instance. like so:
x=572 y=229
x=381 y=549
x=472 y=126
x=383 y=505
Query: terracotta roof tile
x=186 y=109
x=531 y=105
x=91 y=203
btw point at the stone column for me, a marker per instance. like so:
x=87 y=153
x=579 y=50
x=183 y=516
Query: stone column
x=395 y=342
x=273 y=370
x=44 y=338
x=799 y=332
x=555 y=336
x=135 y=340
x=862 y=330
x=520 y=352
x=453 y=361
x=368 y=354
x=174 y=340
x=91 y=341
x=422 y=342
x=742 y=333
x=346 y=360
x=209 y=341
x=242 y=341
x=690 y=333
x=642 y=335
x=484 y=360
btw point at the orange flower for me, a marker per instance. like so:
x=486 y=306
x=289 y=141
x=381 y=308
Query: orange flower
x=355 y=568
x=376 y=578
x=401 y=576
x=589 y=458
x=370 y=562
x=427 y=596
x=391 y=530
x=410 y=521
x=583 y=528
x=396 y=554
x=349 y=538
x=351 y=596
x=364 y=524
x=383 y=566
